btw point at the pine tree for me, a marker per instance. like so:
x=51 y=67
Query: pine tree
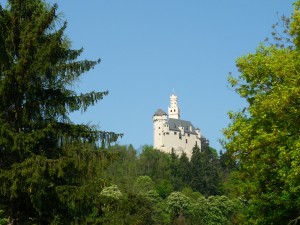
x=46 y=161
x=184 y=169
x=205 y=169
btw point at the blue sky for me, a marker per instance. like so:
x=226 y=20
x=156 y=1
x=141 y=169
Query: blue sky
x=148 y=48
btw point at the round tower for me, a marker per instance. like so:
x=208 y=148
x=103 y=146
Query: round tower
x=159 y=119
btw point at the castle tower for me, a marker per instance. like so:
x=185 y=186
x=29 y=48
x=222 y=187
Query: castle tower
x=172 y=133
x=173 y=110
x=159 y=120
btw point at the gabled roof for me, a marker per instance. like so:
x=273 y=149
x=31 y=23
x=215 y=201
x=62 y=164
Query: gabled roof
x=160 y=112
x=174 y=125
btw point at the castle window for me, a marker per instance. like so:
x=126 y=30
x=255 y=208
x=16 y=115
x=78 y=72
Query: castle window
x=174 y=110
x=175 y=132
x=171 y=110
x=196 y=143
x=158 y=127
x=188 y=134
x=185 y=140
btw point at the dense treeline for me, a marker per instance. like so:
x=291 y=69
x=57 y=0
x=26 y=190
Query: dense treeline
x=202 y=173
x=176 y=190
x=53 y=171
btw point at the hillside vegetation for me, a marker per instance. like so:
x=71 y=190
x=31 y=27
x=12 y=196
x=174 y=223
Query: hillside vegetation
x=53 y=171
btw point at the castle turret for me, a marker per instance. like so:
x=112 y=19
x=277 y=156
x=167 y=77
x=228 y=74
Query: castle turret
x=173 y=110
x=198 y=133
x=172 y=133
x=159 y=120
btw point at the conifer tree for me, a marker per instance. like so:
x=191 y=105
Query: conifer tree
x=205 y=169
x=45 y=168
x=184 y=168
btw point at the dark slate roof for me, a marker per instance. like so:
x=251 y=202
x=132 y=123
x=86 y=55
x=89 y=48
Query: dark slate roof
x=175 y=123
x=160 y=112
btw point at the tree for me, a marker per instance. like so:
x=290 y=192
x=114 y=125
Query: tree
x=205 y=170
x=154 y=163
x=48 y=164
x=131 y=209
x=3 y=220
x=143 y=184
x=178 y=205
x=264 y=137
x=123 y=169
x=175 y=176
x=212 y=210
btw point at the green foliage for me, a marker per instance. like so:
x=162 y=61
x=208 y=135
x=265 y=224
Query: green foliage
x=49 y=167
x=52 y=170
x=130 y=209
x=3 y=221
x=205 y=170
x=154 y=163
x=213 y=210
x=123 y=170
x=111 y=192
x=264 y=137
x=166 y=205
x=164 y=188
x=178 y=203
x=193 y=195
x=143 y=184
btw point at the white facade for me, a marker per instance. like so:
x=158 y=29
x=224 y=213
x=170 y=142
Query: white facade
x=172 y=132
x=173 y=110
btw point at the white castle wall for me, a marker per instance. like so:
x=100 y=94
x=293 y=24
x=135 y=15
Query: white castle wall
x=158 y=122
x=166 y=139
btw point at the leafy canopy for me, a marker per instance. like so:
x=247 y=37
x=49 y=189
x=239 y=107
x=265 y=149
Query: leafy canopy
x=264 y=137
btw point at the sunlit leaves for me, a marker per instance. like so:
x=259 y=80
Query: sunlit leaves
x=264 y=137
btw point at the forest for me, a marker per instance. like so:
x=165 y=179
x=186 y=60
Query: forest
x=53 y=171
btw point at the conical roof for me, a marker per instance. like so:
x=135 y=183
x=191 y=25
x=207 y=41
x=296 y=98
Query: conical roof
x=160 y=112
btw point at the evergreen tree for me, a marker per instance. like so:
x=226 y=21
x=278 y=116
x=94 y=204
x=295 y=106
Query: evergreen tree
x=174 y=171
x=184 y=169
x=46 y=172
x=205 y=169
x=196 y=169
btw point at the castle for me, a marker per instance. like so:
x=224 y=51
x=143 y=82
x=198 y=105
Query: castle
x=170 y=132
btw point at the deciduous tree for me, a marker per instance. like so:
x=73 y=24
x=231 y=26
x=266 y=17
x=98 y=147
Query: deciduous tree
x=264 y=137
